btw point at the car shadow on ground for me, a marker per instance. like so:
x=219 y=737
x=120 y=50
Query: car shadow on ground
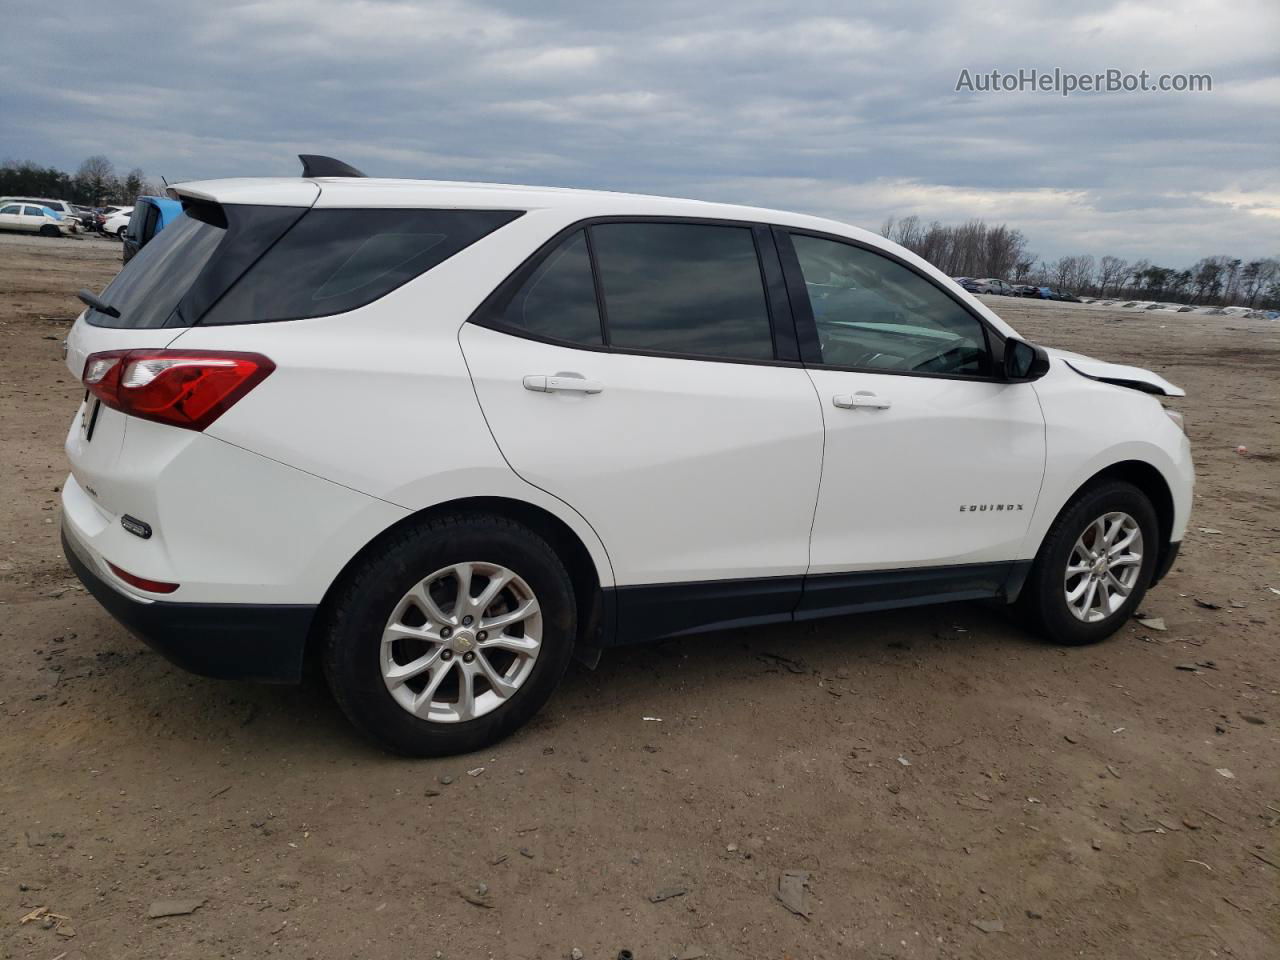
x=158 y=700
x=295 y=719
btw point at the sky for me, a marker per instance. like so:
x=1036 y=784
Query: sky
x=846 y=110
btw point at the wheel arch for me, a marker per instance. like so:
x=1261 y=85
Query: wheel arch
x=594 y=604
x=1147 y=478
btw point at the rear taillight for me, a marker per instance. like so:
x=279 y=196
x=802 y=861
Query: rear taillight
x=183 y=388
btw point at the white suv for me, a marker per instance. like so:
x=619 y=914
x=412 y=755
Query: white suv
x=444 y=436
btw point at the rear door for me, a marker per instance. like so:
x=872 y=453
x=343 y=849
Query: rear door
x=645 y=372
x=33 y=218
x=146 y=292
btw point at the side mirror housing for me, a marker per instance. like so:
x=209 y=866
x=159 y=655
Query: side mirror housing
x=1024 y=362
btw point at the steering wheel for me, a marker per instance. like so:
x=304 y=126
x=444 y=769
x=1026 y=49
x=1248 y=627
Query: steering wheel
x=930 y=354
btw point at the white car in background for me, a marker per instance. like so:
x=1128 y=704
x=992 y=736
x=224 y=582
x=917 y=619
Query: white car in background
x=117 y=221
x=447 y=436
x=62 y=208
x=33 y=218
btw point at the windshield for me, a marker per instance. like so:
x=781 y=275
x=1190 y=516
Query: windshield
x=148 y=289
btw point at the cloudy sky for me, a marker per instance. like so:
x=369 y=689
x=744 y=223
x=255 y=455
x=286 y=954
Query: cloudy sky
x=843 y=109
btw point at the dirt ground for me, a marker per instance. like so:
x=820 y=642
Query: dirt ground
x=1094 y=802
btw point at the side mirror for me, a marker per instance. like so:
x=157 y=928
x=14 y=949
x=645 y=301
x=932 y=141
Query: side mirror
x=1024 y=361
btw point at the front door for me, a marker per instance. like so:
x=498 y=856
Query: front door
x=932 y=461
x=11 y=217
x=632 y=371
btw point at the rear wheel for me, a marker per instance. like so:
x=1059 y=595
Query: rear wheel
x=452 y=637
x=120 y=232
x=1094 y=566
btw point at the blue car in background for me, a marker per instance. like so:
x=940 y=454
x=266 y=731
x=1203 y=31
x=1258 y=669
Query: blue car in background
x=150 y=216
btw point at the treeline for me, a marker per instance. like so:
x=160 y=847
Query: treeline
x=970 y=249
x=979 y=249
x=94 y=184
x=1211 y=281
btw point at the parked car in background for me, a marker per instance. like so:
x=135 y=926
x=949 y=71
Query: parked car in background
x=1024 y=290
x=150 y=215
x=117 y=221
x=990 y=286
x=387 y=421
x=1053 y=293
x=60 y=207
x=90 y=219
x=33 y=218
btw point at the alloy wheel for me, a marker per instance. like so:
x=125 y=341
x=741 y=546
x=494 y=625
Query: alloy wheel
x=1103 y=567
x=461 y=642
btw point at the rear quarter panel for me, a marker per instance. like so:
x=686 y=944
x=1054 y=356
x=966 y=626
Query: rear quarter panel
x=380 y=399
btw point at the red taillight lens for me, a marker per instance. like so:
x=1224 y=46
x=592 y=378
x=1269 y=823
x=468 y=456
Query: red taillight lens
x=142 y=583
x=183 y=388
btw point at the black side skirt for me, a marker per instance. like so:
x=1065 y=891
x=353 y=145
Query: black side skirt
x=661 y=611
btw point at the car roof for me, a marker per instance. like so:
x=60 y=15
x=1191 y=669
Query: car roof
x=390 y=193
x=573 y=204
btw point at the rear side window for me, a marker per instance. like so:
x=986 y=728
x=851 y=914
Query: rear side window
x=336 y=260
x=558 y=301
x=684 y=288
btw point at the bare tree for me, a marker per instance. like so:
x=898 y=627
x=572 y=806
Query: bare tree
x=1111 y=273
x=96 y=179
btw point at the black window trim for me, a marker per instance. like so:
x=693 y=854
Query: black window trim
x=772 y=281
x=807 y=328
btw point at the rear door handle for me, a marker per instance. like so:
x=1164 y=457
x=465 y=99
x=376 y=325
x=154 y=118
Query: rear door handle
x=561 y=383
x=863 y=398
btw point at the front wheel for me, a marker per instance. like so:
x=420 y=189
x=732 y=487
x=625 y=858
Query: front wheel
x=49 y=230
x=1094 y=566
x=452 y=636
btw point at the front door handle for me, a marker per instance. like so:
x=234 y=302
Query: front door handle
x=863 y=398
x=562 y=383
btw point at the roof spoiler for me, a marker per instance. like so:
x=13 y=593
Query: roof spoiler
x=314 y=165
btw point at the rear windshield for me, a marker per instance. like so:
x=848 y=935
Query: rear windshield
x=252 y=264
x=148 y=289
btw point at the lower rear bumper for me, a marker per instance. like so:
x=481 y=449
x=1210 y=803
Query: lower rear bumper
x=231 y=641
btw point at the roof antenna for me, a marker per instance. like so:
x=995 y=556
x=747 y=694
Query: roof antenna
x=314 y=165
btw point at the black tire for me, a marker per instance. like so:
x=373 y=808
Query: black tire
x=120 y=232
x=362 y=604
x=49 y=230
x=1043 y=603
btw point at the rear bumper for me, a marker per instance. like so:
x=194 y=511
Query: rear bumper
x=231 y=641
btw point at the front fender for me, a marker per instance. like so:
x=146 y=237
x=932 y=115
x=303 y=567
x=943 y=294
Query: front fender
x=1092 y=426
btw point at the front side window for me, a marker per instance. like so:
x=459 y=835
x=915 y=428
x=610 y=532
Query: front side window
x=874 y=313
x=334 y=260
x=683 y=288
x=558 y=301
x=33 y=211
